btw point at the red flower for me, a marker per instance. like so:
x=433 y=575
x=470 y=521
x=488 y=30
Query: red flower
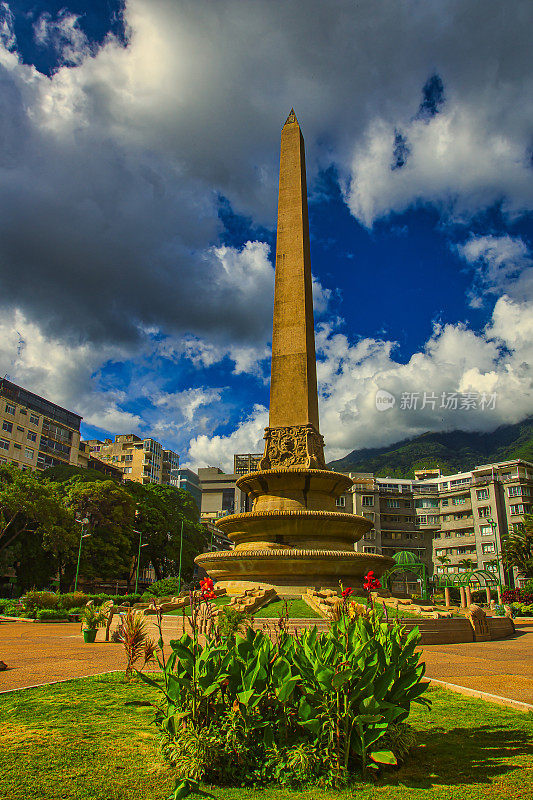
x=371 y=583
x=347 y=592
x=206 y=588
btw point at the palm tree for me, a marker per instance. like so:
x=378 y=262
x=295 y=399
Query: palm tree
x=517 y=547
x=467 y=563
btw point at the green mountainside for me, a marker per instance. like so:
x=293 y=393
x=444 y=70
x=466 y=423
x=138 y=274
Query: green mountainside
x=455 y=451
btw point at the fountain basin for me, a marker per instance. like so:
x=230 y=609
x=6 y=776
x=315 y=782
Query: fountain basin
x=291 y=570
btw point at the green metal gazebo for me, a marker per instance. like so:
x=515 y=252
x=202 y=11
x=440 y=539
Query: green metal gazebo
x=408 y=562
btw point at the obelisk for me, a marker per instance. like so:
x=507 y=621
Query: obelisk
x=293 y=389
x=295 y=536
x=292 y=437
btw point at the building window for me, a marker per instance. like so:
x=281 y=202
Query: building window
x=488 y=547
x=10 y=409
x=34 y=419
x=17 y=446
x=482 y=494
x=519 y=508
x=369 y=515
x=393 y=504
x=29 y=453
x=367 y=500
x=31 y=436
x=433 y=519
x=422 y=519
x=518 y=491
x=486 y=530
x=444 y=501
x=369 y=549
x=4 y=444
x=7 y=426
x=340 y=502
x=127 y=470
x=484 y=511
x=129 y=457
x=426 y=503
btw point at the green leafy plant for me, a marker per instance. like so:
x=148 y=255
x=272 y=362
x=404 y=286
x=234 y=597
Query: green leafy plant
x=133 y=633
x=92 y=618
x=248 y=709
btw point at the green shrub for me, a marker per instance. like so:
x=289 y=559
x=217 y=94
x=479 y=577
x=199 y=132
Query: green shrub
x=230 y=621
x=245 y=710
x=33 y=601
x=72 y=600
x=118 y=599
x=13 y=609
x=5 y=601
x=46 y=614
x=163 y=588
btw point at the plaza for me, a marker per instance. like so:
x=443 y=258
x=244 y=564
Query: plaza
x=43 y=653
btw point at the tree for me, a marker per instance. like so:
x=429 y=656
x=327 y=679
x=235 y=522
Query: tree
x=160 y=512
x=517 y=547
x=37 y=533
x=108 y=552
x=467 y=563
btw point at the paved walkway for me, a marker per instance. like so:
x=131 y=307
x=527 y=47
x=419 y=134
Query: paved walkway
x=40 y=653
x=503 y=668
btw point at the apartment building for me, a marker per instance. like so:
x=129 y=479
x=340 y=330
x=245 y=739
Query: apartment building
x=170 y=468
x=36 y=433
x=444 y=520
x=394 y=508
x=189 y=480
x=477 y=511
x=141 y=460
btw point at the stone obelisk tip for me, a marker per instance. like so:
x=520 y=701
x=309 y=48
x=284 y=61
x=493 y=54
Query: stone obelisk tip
x=291 y=119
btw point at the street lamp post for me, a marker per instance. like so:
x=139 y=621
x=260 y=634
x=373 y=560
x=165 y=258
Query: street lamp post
x=181 y=550
x=83 y=522
x=494 y=526
x=138 y=559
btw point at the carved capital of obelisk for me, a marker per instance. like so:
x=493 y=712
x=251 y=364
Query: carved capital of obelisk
x=293 y=446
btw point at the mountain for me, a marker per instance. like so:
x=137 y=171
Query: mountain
x=455 y=451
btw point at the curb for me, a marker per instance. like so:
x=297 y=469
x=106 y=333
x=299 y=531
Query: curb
x=490 y=698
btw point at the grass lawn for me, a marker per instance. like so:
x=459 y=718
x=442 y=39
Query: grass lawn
x=297 y=608
x=87 y=740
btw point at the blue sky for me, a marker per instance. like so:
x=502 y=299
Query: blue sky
x=138 y=184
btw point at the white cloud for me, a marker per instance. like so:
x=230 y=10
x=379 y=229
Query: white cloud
x=219 y=450
x=7 y=30
x=502 y=264
x=454 y=360
x=64 y=35
x=188 y=401
x=65 y=374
